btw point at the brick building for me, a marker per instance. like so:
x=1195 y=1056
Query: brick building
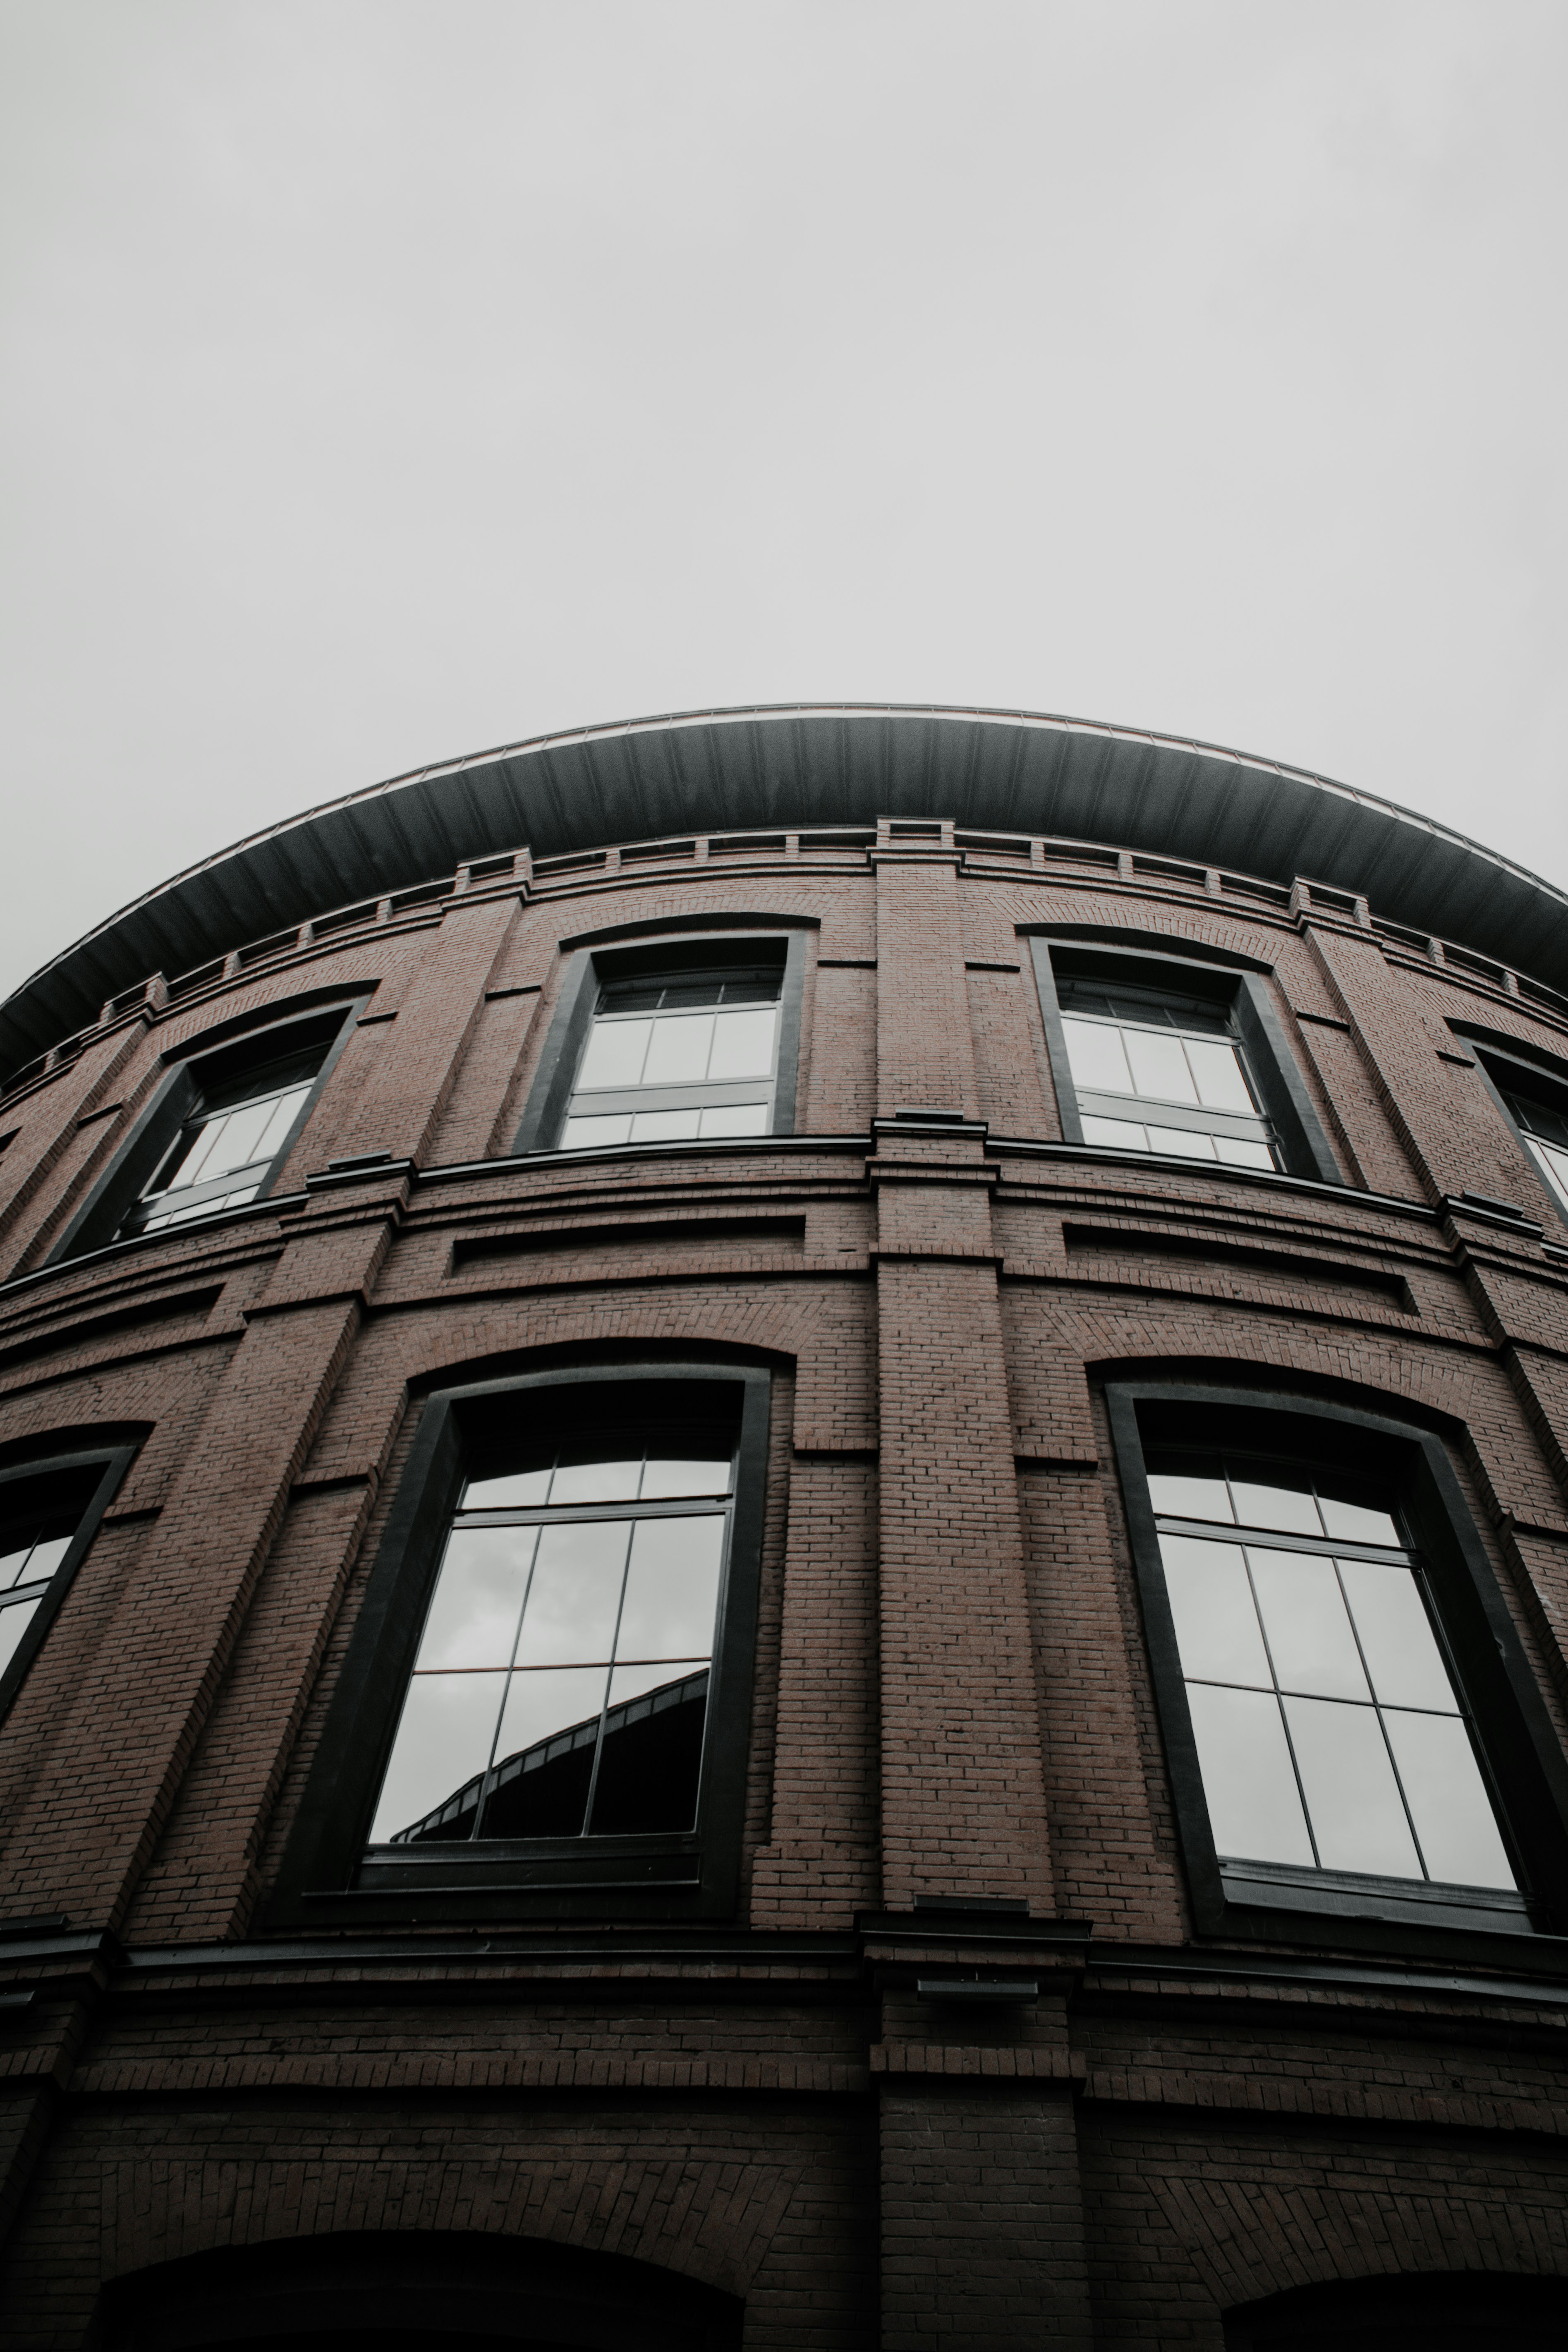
x=782 y=1564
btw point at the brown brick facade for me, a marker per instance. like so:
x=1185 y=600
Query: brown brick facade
x=952 y=1700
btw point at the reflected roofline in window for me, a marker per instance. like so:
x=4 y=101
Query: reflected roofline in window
x=327 y=1877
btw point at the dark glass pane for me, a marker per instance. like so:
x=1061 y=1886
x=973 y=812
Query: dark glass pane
x=1539 y=1118
x=652 y=1756
x=544 y=1755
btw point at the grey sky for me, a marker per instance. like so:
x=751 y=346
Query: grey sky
x=388 y=380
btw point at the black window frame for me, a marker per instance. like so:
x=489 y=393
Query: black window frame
x=109 y=1462
x=1241 y=991
x=1538 y=1077
x=594 y=965
x=1495 y=1683
x=177 y=1094
x=610 y=1877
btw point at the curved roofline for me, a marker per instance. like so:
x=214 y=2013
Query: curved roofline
x=806 y=763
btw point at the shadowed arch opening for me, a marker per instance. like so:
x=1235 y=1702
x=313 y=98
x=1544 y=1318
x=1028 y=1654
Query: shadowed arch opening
x=1446 y=2312
x=414 y=2291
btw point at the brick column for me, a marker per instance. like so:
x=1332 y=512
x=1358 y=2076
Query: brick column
x=120 y=1739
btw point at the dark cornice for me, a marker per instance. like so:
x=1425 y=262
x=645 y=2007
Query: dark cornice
x=808 y=765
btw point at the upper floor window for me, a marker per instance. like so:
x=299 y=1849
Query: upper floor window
x=546 y=1699
x=48 y=1512
x=1172 y=1056
x=1537 y=1103
x=1156 y=1071
x=1329 y=1732
x=222 y=1122
x=690 y=1040
x=229 y=1141
x=673 y=1057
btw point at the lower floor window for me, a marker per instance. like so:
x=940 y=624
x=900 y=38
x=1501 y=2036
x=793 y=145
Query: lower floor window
x=561 y=1685
x=1329 y=1732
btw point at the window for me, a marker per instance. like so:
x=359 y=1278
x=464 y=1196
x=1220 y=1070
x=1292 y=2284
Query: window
x=1351 y=1727
x=49 y=1512
x=219 y=1128
x=1329 y=1732
x=692 y=1040
x=671 y=1057
x=1536 y=1102
x=1156 y=1071
x=547 y=1694
x=561 y=1685
x=225 y=1147
x=1169 y=1054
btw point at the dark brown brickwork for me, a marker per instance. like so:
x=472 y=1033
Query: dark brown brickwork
x=952 y=1698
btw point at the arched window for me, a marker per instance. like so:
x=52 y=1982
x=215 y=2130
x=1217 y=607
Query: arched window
x=1352 y=1728
x=546 y=1699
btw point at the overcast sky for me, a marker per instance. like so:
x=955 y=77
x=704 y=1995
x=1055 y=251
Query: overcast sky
x=388 y=379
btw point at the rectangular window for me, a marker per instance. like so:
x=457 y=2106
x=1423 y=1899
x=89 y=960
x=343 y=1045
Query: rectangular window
x=48 y=1513
x=224 y=1119
x=546 y=1707
x=673 y=1057
x=1329 y=1732
x=1356 y=1738
x=228 y=1143
x=1172 y=1055
x=692 y=1040
x=561 y=1685
x=1156 y=1071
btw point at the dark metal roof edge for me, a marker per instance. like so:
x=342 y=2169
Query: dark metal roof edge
x=1223 y=806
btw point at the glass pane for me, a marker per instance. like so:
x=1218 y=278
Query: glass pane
x=1211 y=1600
x=679 y=1052
x=1185 y=1142
x=1159 y=1066
x=1216 y=1068
x=583 y=1134
x=652 y=1756
x=1270 y=1503
x=1352 y=1794
x=1554 y=1161
x=1240 y=1151
x=1354 y=1523
x=515 y=1491
x=284 y=1110
x=1308 y=1630
x=232 y=1141
x=1118 y=1131
x=614 y=1054
x=735 y=1118
x=598 y=1470
x=12 y=1563
x=478 y=1604
x=672 y=1589
x=1453 y=1814
x=1401 y=1653
x=1097 y=1058
x=570 y=1620
x=665 y=1126
x=13 y=1623
x=1178 y=1495
x=45 y=1558
x=693 y=1473
x=742 y=1045
x=1254 y=1806
x=544 y=1755
x=443 y=1744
